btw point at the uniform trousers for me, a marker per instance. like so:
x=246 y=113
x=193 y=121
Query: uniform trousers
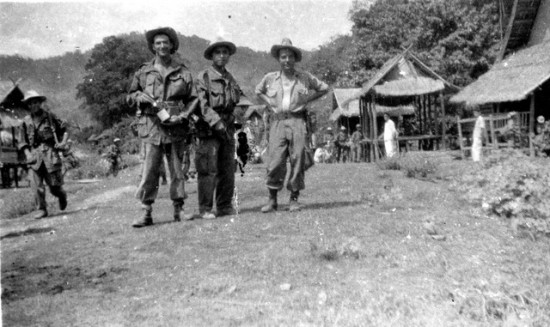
x=215 y=165
x=148 y=187
x=287 y=140
x=53 y=179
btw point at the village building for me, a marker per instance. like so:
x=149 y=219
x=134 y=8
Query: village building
x=520 y=79
x=406 y=89
x=12 y=112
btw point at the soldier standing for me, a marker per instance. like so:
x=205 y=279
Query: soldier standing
x=41 y=148
x=164 y=93
x=218 y=94
x=355 y=144
x=113 y=155
x=287 y=93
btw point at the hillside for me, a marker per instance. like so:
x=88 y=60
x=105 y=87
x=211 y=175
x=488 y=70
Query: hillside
x=57 y=77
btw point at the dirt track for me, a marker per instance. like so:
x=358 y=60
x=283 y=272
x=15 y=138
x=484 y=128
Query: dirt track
x=358 y=254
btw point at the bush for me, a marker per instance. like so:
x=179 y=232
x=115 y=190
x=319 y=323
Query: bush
x=511 y=185
x=413 y=166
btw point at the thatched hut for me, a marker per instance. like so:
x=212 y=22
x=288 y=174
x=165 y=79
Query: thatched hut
x=520 y=80
x=12 y=112
x=403 y=86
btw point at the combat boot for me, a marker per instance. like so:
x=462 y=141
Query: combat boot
x=178 y=211
x=42 y=213
x=147 y=219
x=62 y=201
x=271 y=203
x=294 y=205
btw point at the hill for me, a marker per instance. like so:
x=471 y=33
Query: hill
x=57 y=77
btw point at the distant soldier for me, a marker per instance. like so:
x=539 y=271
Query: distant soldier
x=341 y=144
x=45 y=137
x=113 y=155
x=355 y=144
x=164 y=93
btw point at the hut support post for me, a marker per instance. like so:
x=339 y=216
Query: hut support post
x=460 y=137
x=532 y=124
x=443 y=125
x=375 y=129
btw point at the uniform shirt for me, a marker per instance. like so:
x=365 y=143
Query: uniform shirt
x=177 y=86
x=222 y=99
x=272 y=86
x=40 y=138
x=356 y=137
x=113 y=153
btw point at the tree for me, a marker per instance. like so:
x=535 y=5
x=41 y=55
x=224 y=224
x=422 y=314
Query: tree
x=459 y=39
x=109 y=71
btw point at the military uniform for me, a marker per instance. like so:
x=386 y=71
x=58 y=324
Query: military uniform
x=45 y=161
x=288 y=130
x=356 y=149
x=215 y=154
x=113 y=156
x=174 y=93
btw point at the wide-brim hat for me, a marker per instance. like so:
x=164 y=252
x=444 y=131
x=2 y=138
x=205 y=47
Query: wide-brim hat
x=32 y=94
x=168 y=31
x=540 y=119
x=219 y=43
x=116 y=140
x=286 y=44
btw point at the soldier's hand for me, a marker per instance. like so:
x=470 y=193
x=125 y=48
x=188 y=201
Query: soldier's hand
x=220 y=126
x=29 y=157
x=142 y=98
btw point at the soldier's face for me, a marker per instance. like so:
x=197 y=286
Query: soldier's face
x=287 y=59
x=35 y=106
x=162 y=45
x=220 y=56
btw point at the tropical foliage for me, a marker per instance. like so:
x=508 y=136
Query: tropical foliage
x=459 y=39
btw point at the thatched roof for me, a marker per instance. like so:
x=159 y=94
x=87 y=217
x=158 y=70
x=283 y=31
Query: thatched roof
x=512 y=79
x=8 y=119
x=520 y=17
x=394 y=110
x=404 y=66
x=409 y=87
x=346 y=105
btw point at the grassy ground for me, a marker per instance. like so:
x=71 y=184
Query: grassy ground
x=359 y=254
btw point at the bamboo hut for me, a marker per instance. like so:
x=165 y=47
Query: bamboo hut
x=520 y=80
x=403 y=86
x=12 y=113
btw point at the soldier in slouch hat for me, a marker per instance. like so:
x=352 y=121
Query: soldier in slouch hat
x=163 y=91
x=287 y=93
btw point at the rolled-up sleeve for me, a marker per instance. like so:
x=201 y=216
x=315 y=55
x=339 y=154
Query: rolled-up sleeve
x=316 y=84
x=261 y=88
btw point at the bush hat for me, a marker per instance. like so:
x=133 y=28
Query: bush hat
x=286 y=44
x=219 y=43
x=168 y=31
x=32 y=94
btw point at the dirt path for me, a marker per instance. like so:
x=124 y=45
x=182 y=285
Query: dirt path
x=358 y=254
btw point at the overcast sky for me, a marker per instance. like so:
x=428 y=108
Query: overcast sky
x=43 y=29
